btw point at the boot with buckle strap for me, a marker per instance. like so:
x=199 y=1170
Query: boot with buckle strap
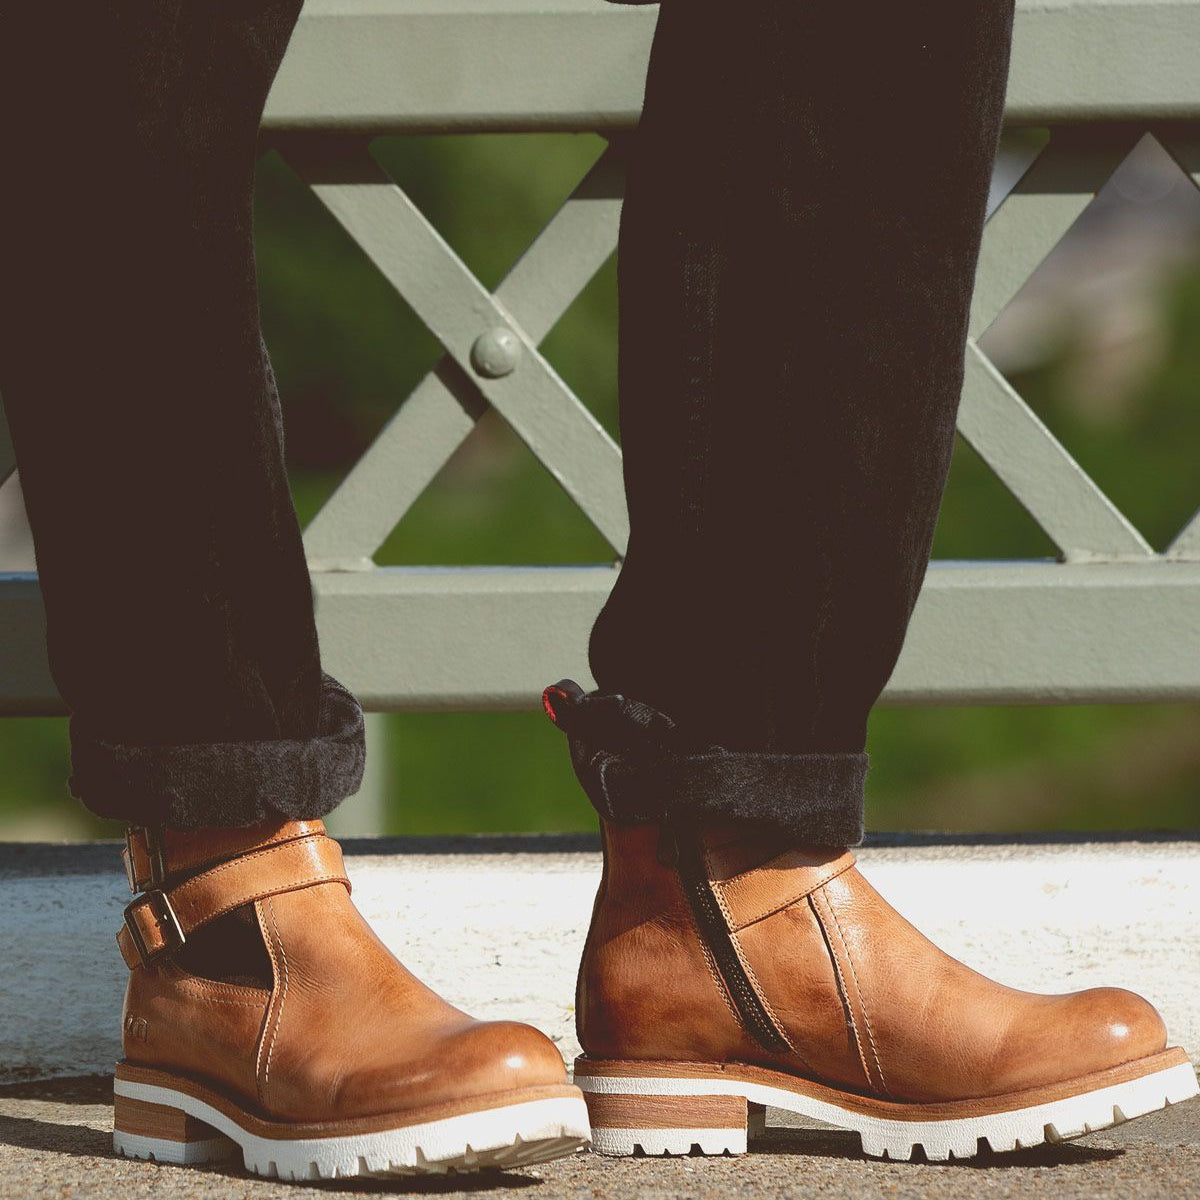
x=264 y=1016
x=727 y=969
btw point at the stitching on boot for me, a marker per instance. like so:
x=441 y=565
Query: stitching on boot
x=217 y=998
x=711 y=924
x=841 y=981
x=861 y=998
x=276 y=839
x=741 y=956
x=834 y=867
x=231 y=863
x=322 y=877
x=714 y=887
x=858 y=989
x=262 y=1037
x=762 y=999
x=710 y=962
x=232 y=994
x=831 y=873
x=713 y=971
x=716 y=849
x=219 y=989
x=268 y=1019
x=282 y=999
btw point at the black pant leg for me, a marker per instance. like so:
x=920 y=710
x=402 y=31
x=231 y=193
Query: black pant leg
x=797 y=256
x=144 y=414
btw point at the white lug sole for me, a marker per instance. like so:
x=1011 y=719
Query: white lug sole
x=689 y=1113
x=170 y=1125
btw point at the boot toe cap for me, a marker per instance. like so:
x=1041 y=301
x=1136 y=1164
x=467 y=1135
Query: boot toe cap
x=476 y=1059
x=1118 y=1026
x=498 y=1056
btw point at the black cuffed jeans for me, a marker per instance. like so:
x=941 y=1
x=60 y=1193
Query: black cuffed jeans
x=798 y=247
x=798 y=251
x=144 y=414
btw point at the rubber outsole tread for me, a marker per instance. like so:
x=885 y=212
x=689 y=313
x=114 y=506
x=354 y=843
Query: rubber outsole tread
x=945 y=1140
x=519 y=1153
x=1050 y=1134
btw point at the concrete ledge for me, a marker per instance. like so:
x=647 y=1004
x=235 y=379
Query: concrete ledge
x=496 y=925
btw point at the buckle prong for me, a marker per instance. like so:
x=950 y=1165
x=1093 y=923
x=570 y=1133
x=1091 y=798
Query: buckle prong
x=160 y=906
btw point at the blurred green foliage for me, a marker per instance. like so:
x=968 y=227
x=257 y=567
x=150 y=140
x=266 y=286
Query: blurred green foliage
x=346 y=350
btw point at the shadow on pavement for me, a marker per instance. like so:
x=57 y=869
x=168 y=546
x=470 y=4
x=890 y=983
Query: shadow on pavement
x=75 y=1089
x=33 y=1133
x=834 y=1143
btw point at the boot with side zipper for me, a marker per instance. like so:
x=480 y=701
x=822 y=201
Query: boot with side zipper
x=726 y=970
x=263 y=1015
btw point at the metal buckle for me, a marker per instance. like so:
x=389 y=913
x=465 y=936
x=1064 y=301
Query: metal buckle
x=164 y=914
x=154 y=852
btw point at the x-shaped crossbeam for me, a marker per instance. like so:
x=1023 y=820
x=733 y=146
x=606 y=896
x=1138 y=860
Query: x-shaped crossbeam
x=1025 y=224
x=492 y=357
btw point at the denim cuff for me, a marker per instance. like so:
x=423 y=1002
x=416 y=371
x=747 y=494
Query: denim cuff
x=636 y=768
x=226 y=783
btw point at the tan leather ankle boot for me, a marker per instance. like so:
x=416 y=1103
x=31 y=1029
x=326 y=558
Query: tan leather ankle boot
x=723 y=973
x=262 y=1014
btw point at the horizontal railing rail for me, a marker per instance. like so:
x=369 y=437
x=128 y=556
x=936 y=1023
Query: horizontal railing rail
x=408 y=66
x=1111 y=620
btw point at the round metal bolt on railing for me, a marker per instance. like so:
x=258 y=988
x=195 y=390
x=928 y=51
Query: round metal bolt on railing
x=496 y=353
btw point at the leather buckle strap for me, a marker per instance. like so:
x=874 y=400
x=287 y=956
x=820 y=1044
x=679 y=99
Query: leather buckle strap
x=156 y=905
x=152 y=855
x=747 y=896
x=145 y=864
x=161 y=920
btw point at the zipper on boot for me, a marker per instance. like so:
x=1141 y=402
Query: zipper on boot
x=688 y=860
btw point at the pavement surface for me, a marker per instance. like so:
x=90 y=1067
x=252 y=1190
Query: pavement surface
x=55 y=1143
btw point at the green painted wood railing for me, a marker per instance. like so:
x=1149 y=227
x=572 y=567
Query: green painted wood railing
x=1112 y=620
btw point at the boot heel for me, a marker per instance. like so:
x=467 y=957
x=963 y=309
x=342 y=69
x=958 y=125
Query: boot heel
x=625 y=1124
x=165 y=1134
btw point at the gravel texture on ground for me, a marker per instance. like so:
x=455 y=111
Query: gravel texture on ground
x=55 y=1143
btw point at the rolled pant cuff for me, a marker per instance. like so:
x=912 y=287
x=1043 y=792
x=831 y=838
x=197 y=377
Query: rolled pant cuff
x=226 y=783
x=816 y=798
x=637 y=767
